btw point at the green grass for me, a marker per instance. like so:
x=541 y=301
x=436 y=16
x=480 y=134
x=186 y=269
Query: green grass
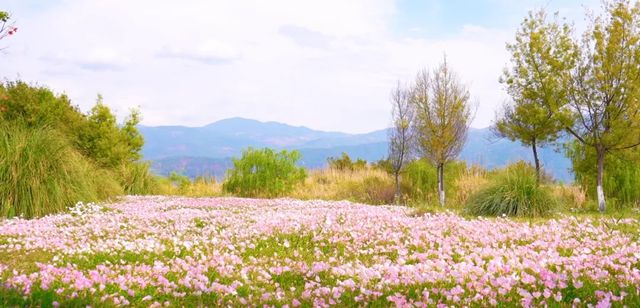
x=514 y=192
x=41 y=173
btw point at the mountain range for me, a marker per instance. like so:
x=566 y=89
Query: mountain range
x=207 y=150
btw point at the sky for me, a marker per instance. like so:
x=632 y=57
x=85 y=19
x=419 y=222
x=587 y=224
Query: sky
x=327 y=65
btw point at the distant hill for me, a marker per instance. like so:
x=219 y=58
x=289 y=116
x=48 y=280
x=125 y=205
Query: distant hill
x=207 y=150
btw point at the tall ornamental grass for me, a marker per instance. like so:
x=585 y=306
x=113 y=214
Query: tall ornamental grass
x=513 y=192
x=41 y=173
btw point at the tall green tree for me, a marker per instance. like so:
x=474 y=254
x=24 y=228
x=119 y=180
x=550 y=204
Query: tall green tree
x=595 y=80
x=443 y=114
x=541 y=57
x=605 y=86
x=530 y=124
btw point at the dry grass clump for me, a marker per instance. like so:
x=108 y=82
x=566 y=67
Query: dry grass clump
x=367 y=185
x=572 y=196
x=468 y=184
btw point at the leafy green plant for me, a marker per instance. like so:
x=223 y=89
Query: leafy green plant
x=264 y=173
x=513 y=192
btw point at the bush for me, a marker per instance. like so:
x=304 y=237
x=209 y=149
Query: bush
x=264 y=173
x=96 y=135
x=513 y=192
x=369 y=185
x=137 y=179
x=345 y=163
x=420 y=180
x=621 y=176
x=41 y=173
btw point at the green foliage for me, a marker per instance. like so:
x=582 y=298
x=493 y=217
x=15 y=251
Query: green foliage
x=420 y=179
x=264 y=173
x=621 y=177
x=344 y=163
x=384 y=165
x=513 y=192
x=107 y=143
x=97 y=135
x=179 y=180
x=4 y=16
x=102 y=155
x=537 y=84
x=36 y=106
x=442 y=117
x=41 y=173
x=589 y=83
x=137 y=179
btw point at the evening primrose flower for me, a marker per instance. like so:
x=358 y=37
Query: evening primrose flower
x=371 y=254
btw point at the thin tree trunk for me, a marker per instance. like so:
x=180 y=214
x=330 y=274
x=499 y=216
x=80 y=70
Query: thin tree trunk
x=397 y=196
x=441 y=184
x=600 y=179
x=536 y=160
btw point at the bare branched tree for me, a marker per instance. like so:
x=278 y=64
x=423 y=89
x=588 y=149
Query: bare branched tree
x=443 y=115
x=401 y=134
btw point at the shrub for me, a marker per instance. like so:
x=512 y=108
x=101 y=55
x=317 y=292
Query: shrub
x=41 y=173
x=96 y=134
x=513 y=192
x=137 y=179
x=264 y=173
x=420 y=180
x=369 y=185
x=344 y=163
x=621 y=177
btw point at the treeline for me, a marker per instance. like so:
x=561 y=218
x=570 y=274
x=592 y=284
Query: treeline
x=583 y=87
x=53 y=155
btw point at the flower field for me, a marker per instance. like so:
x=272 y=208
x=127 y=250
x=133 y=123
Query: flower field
x=161 y=251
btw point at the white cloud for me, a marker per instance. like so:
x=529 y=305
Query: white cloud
x=208 y=52
x=324 y=64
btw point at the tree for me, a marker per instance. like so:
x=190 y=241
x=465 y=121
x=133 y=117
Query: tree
x=107 y=143
x=6 y=29
x=605 y=88
x=621 y=182
x=442 y=118
x=529 y=123
x=401 y=132
x=597 y=81
x=536 y=86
